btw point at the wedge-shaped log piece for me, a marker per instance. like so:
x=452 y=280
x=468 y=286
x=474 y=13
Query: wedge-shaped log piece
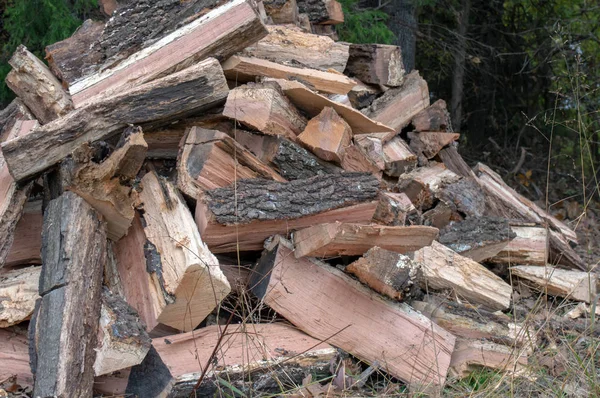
x=562 y=253
x=102 y=184
x=395 y=209
x=327 y=135
x=355 y=160
x=27 y=244
x=422 y=184
x=430 y=143
x=220 y=33
x=443 y=268
x=33 y=82
x=376 y=64
x=291 y=46
x=281 y=12
x=389 y=273
x=469 y=355
x=191 y=90
x=168 y=273
x=322 y=12
x=477 y=238
x=398 y=158
x=344 y=239
x=211 y=159
x=265 y=108
x=19 y=291
x=14 y=356
x=454 y=162
x=372 y=146
x=246 y=69
x=396 y=107
x=123 y=339
x=314 y=297
x=433 y=118
x=530 y=247
x=74 y=256
x=574 y=285
x=16 y=112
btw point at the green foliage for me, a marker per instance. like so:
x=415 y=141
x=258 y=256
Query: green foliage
x=36 y=24
x=364 y=25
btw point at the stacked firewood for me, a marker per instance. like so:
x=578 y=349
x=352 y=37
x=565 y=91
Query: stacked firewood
x=185 y=154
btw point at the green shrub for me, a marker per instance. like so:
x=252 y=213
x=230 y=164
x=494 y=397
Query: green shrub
x=364 y=26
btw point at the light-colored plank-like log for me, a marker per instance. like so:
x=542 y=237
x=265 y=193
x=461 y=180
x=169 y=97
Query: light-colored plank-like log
x=14 y=356
x=220 y=33
x=327 y=135
x=281 y=12
x=469 y=355
x=430 y=143
x=433 y=118
x=39 y=89
x=530 y=247
x=189 y=91
x=445 y=269
x=398 y=158
x=376 y=64
x=288 y=45
x=315 y=297
x=27 y=243
x=345 y=239
x=574 y=285
x=247 y=69
x=19 y=291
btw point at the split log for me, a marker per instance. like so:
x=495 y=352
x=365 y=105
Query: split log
x=312 y=104
x=19 y=291
x=15 y=112
x=291 y=46
x=327 y=135
x=398 y=158
x=14 y=356
x=477 y=238
x=163 y=143
x=443 y=268
x=169 y=275
x=530 y=247
x=345 y=239
x=27 y=243
x=245 y=69
x=433 y=118
x=397 y=107
x=74 y=254
x=281 y=12
x=573 y=285
x=372 y=146
x=220 y=33
x=124 y=341
x=422 y=184
x=323 y=12
x=315 y=296
x=430 y=143
x=562 y=253
x=183 y=93
x=33 y=82
x=471 y=354
x=102 y=184
x=265 y=108
x=391 y=274
x=267 y=208
x=376 y=64
x=439 y=216
x=303 y=23
x=355 y=160
x=395 y=209
x=325 y=30
x=362 y=95
x=211 y=159
x=466 y=196
x=454 y=162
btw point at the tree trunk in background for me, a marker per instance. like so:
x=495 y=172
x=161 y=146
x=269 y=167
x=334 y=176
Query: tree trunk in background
x=459 y=65
x=403 y=23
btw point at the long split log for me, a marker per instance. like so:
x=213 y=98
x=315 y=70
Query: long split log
x=574 y=285
x=530 y=247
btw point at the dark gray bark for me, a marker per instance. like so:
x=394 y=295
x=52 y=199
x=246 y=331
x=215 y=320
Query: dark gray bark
x=294 y=162
x=475 y=232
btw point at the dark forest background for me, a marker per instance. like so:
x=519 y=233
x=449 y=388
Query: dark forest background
x=521 y=77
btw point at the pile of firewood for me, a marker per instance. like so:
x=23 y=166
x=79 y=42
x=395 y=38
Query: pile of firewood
x=185 y=159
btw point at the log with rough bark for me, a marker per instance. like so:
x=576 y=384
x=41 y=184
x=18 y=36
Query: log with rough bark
x=220 y=33
x=281 y=11
x=265 y=108
x=346 y=239
x=443 y=268
x=264 y=208
x=422 y=184
x=102 y=185
x=397 y=157
x=15 y=113
x=327 y=135
x=14 y=356
x=471 y=354
x=389 y=273
x=574 y=285
x=315 y=296
x=477 y=238
x=322 y=12
x=466 y=196
x=376 y=64
x=395 y=209
x=18 y=292
x=291 y=46
x=189 y=91
x=123 y=340
x=433 y=118
x=37 y=87
x=169 y=275
x=74 y=256
x=430 y=143
x=27 y=241
x=312 y=104
x=529 y=247
x=396 y=107
x=247 y=69
x=363 y=95
x=211 y=159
